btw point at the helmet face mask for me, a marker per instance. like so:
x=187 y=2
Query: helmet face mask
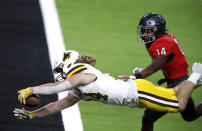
x=59 y=68
x=58 y=77
x=59 y=73
x=151 y=27
x=62 y=64
x=146 y=34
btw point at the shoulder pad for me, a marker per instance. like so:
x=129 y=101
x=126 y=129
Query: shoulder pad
x=75 y=69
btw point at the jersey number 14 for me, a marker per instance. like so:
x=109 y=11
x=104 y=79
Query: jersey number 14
x=161 y=52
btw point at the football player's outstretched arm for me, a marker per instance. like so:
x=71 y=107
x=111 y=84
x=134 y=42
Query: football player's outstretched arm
x=79 y=79
x=57 y=106
x=74 y=81
x=48 y=109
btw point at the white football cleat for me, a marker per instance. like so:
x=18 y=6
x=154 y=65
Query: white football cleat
x=200 y=81
x=197 y=68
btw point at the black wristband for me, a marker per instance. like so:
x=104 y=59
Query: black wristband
x=138 y=76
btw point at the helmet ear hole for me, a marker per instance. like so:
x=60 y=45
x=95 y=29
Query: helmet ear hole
x=69 y=65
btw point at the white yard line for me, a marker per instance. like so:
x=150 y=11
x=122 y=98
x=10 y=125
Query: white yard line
x=71 y=116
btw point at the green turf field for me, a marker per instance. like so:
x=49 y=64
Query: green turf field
x=106 y=29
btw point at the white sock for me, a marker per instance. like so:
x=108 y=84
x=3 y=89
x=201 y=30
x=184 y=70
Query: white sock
x=47 y=90
x=194 y=77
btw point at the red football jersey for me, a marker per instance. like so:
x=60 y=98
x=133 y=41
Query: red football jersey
x=168 y=45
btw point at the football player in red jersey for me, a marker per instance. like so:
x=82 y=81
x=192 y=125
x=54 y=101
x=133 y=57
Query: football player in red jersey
x=167 y=56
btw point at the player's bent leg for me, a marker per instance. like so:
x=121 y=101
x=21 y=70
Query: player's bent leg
x=183 y=92
x=156 y=98
x=184 y=89
x=148 y=119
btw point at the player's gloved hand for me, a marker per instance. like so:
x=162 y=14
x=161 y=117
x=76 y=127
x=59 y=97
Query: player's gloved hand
x=23 y=94
x=136 y=71
x=125 y=78
x=23 y=114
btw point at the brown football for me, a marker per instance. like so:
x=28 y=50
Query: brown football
x=32 y=101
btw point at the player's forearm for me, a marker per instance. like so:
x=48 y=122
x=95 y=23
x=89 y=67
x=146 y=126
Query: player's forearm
x=57 y=106
x=46 y=110
x=155 y=65
x=74 y=81
x=51 y=88
x=148 y=71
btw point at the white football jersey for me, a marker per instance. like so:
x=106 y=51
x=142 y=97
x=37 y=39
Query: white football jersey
x=105 y=88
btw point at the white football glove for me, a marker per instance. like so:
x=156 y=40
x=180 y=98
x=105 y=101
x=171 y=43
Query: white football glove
x=125 y=78
x=136 y=71
x=197 y=68
x=23 y=114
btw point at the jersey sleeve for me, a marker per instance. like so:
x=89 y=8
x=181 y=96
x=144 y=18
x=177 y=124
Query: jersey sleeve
x=161 y=48
x=75 y=69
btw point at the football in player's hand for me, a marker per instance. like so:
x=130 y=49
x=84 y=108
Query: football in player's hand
x=32 y=101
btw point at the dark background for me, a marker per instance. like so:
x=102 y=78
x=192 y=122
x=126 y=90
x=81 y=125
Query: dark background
x=24 y=62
